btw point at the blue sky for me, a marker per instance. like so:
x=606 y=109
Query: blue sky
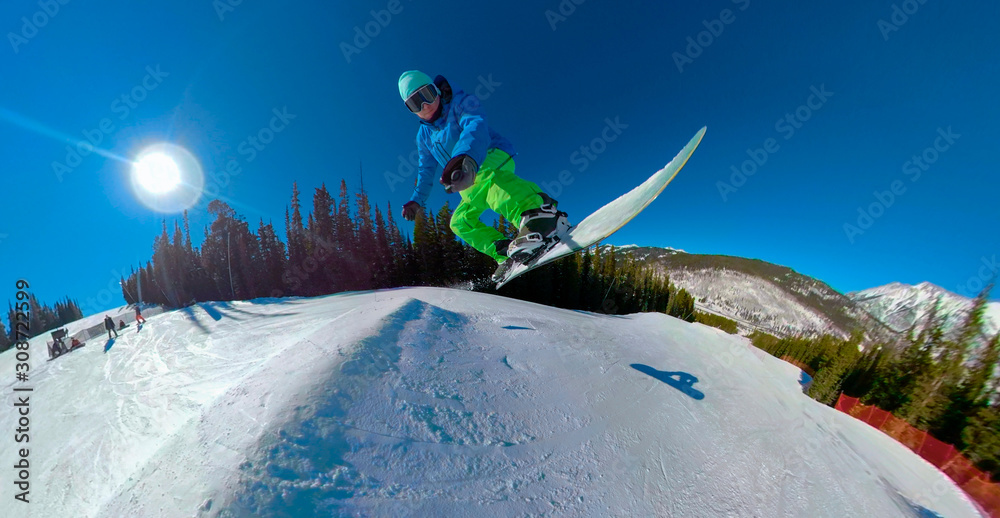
x=867 y=86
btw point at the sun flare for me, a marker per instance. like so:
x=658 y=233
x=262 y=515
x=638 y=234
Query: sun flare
x=157 y=172
x=166 y=177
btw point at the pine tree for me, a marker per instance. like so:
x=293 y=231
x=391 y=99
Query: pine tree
x=74 y=311
x=164 y=266
x=979 y=382
x=294 y=229
x=12 y=319
x=382 y=270
x=195 y=279
x=398 y=249
x=201 y=283
x=5 y=338
x=126 y=293
x=182 y=263
x=365 y=244
x=216 y=255
x=609 y=264
x=130 y=288
x=571 y=284
x=411 y=272
x=231 y=254
x=972 y=327
x=152 y=292
x=861 y=379
x=187 y=234
x=893 y=387
x=587 y=281
x=951 y=402
x=273 y=260
x=347 y=241
x=982 y=437
x=309 y=237
x=248 y=266
x=681 y=305
x=837 y=357
x=927 y=399
x=426 y=248
x=450 y=249
x=326 y=251
x=961 y=389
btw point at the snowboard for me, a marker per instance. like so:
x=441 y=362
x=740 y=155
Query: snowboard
x=609 y=218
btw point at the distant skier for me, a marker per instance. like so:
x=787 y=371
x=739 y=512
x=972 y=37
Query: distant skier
x=110 y=326
x=477 y=162
x=138 y=315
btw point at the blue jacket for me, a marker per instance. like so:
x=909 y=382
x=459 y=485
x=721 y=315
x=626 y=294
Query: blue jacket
x=460 y=129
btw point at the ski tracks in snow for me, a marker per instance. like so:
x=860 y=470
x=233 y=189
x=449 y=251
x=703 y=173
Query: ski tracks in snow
x=411 y=423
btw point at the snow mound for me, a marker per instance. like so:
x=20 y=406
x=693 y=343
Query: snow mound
x=438 y=402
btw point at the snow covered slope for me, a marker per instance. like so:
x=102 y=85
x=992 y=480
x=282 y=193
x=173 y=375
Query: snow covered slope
x=901 y=305
x=436 y=402
x=752 y=302
x=761 y=295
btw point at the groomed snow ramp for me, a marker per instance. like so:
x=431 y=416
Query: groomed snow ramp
x=436 y=402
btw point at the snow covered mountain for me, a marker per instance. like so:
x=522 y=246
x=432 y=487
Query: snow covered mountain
x=761 y=295
x=438 y=402
x=901 y=306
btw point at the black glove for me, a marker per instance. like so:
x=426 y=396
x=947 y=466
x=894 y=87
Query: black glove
x=410 y=210
x=459 y=173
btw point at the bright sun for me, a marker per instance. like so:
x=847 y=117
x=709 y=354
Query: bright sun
x=157 y=172
x=166 y=177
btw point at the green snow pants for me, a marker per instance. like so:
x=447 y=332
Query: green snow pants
x=496 y=188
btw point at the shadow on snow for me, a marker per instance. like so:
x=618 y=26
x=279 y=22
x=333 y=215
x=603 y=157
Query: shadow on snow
x=681 y=381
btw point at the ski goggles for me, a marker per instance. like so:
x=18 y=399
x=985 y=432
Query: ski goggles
x=424 y=95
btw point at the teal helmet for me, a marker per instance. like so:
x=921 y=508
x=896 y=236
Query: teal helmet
x=410 y=81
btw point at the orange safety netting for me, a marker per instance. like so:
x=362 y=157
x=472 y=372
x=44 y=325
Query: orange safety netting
x=972 y=480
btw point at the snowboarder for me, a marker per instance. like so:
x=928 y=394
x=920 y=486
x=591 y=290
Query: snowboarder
x=138 y=316
x=110 y=326
x=477 y=162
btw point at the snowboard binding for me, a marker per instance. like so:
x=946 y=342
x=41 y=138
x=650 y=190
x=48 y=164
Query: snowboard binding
x=541 y=230
x=525 y=257
x=538 y=227
x=537 y=235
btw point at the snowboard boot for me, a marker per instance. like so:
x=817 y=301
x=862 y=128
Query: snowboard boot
x=539 y=229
